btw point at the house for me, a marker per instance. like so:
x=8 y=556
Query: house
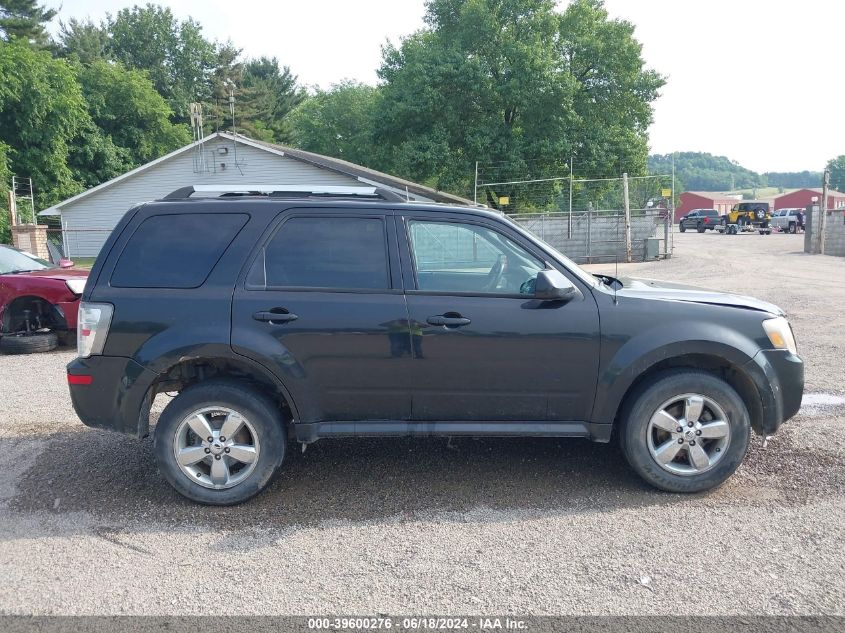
x=222 y=158
x=690 y=200
x=802 y=198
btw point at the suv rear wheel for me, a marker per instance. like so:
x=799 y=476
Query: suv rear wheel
x=686 y=432
x=219 y=442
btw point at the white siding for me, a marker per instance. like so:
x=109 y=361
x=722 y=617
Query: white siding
x=89 y=221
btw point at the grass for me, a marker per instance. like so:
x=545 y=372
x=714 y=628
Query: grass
x=83 y=262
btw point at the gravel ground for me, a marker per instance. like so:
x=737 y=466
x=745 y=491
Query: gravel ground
x=523 y=526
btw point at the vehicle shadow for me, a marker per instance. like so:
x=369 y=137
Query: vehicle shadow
x=114 y=478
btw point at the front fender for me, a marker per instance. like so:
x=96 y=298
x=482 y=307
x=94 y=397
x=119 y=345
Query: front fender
x=658 y=343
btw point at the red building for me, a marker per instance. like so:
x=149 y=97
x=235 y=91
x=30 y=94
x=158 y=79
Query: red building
x=690 y=200
x=802 y=198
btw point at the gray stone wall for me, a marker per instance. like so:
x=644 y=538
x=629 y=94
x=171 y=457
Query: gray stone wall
x=834 y=241
x=596 y=236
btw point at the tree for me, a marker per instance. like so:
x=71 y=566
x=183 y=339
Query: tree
x=24 y=20
x=83 y=39
x=515 y=81
x=41 y=112
x=340 y=122
x=837 y=173
x=179 y=60
x=5 y=183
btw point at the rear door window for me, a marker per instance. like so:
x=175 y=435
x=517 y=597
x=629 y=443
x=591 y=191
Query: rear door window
x=331 y=252
x=176 y=251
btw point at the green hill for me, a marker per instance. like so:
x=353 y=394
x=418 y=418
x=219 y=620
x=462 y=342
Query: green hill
x=700 y=171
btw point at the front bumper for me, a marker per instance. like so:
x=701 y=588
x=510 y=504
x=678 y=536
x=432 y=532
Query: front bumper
x=779 y=378
x=117 y=397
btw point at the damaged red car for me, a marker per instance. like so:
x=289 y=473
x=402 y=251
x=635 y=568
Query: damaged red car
x=38 y=302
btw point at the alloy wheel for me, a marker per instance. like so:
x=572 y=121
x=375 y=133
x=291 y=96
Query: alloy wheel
x=688 y=434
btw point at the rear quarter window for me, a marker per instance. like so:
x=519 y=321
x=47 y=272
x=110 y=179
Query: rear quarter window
x=176 y=251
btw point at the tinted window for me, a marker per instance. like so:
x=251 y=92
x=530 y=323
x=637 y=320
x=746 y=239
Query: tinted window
x=324 y=252
x=176 y=251
x=453 y=257
x=711 y=213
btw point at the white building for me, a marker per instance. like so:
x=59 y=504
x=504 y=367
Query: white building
x=222 y=158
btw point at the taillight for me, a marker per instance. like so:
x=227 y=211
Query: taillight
x=80 y=379
x=92 y=328
x=707 y=220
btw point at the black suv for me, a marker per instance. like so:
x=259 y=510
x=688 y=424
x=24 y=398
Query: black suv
x=700 y=220
x=282 y=316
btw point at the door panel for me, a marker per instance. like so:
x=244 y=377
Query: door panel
x=321 y=306
x=500 y=355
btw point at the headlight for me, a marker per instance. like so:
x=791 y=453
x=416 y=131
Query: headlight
x=780 y=334
x=76 y=286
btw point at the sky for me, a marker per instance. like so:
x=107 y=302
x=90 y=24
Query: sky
x=753 y=80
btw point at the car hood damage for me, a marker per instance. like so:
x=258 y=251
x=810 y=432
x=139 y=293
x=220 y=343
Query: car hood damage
x=653 y=289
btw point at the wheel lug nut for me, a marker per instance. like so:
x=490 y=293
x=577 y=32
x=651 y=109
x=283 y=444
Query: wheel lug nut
x=680 y=428
x=690 y=424
x=698 y=432
x=692 y=442
x=680 y=440
x=227 y=450
x=207 y=450
x=210 y=439
x=718 y=450
x=217 y=457
x=222 y=439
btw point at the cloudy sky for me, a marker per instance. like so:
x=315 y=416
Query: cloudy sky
x=753 y=80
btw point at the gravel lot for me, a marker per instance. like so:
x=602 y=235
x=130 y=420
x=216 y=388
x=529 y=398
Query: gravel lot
x=87 y=526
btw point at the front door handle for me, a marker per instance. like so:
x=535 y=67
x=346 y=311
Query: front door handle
x=275 y=316
x=450 y=319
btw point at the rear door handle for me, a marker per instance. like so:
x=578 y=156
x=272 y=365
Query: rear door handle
x=450 y=319
x=276 y=315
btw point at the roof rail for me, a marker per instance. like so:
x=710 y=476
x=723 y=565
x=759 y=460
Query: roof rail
x=287 y=191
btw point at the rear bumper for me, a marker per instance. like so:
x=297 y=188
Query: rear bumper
x=779 y=378
x=117 y=397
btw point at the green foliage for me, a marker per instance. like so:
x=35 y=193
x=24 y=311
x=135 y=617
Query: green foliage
x=5 y=183
x=837 y=173
x=515 y=81
x=24 y=20
x=42 y=111
x=699 y=171
x=179 y=60
x=83 y=39
x=340 y=122
x=793 y=180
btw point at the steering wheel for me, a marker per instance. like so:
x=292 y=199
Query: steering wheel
x=496 y=273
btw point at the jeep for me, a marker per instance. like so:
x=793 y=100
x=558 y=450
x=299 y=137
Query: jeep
x=747 y=214
x=292 y=314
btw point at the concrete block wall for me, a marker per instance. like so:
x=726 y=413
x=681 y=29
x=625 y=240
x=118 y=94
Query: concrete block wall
x=596 y=237
x=834 y=240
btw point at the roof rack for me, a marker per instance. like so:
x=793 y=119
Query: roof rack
x=287 y=191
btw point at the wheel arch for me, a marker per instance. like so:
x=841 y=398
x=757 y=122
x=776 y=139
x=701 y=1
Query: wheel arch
x=731 y=372
x=191 y=371
x=9 y=310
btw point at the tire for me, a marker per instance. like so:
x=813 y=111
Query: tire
x=263 y=428
x=724 y=456
x=792 y=227
x=29 y=343
x=682 y=228
x=700 y=228
x=761 y=214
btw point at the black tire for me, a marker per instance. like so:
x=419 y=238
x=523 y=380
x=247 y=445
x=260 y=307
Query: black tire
x=792 y=227
x=29 y=343
x=251 y=404
x=700 y=228
x=645 y=402
x=681 y=227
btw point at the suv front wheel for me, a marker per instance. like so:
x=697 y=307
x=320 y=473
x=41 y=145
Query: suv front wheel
x=688 y=431
x=219 y=442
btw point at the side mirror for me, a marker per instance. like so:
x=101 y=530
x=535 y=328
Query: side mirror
x=65 y=263
x=552 y=285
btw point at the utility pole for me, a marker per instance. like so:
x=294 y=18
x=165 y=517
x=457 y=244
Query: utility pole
x=569 y=223
x=823 y=217
x=475 y=190
x=626 y=201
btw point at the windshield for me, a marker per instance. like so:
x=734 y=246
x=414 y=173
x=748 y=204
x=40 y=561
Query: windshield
x=582 y=274
x=12 y=260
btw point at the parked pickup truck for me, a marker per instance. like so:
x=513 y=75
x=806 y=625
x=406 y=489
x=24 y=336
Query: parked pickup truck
x=791 y=220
